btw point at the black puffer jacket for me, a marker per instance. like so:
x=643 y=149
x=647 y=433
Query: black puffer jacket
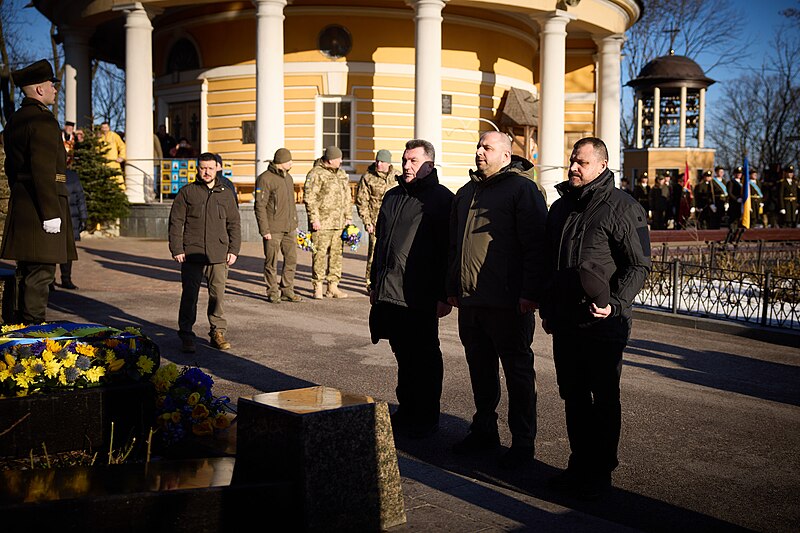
x=412 y=238
x=600 y=224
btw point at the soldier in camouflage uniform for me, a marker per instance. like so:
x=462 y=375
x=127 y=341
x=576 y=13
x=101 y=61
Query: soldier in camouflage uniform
x=379 y=178
x=328 y=204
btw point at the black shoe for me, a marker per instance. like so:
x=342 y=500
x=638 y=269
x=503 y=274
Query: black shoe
x=516 y=457
x=187 y=345
x=291 y=298
x=67 y=284
x=476 y=442
x=398 y=420
x=52 y=286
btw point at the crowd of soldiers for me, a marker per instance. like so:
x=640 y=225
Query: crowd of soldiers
x=717 y=200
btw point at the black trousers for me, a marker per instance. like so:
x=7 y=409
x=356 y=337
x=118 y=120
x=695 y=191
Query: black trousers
x=588 y=372
x=34 y=281
x=490 y=335
x=414 y=339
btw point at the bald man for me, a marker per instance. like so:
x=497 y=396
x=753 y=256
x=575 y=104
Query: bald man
x=496 y=278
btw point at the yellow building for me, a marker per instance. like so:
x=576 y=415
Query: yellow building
x=242 y=78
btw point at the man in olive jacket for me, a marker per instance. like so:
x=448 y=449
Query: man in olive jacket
x=497 y=276
x=38 y=230
x=204 y=237
x=276 y=216
x=600 y=250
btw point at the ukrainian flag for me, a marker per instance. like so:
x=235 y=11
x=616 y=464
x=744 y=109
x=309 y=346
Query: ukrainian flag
x=746 y=196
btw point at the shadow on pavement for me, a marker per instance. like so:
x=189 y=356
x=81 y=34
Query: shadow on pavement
x=723 y=371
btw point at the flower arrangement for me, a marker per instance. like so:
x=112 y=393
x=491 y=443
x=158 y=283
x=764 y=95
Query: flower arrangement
x=304 y=241
x=185 y=405
x=351 y=235
x=67 y=355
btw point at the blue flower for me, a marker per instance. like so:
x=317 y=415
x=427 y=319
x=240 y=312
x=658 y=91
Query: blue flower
x=83 y=362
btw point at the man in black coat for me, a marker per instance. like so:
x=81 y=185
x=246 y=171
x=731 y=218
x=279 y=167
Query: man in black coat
x=38 y=231
x=407 y=286
x=600 y=247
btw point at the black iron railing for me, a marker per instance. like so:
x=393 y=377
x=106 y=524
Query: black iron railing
x=701 y=290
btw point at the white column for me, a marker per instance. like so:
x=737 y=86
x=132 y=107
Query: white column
x=656 y=115
x=682 y=129
x=269 y=80
x=552 y=60
x=428 y=72
x=138 y=99
x=701 y=120
x=77 y=76
x=608 y=96
x=639 y=113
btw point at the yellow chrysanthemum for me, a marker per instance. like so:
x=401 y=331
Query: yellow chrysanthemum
x=62 y=378
x=116 y=364
x=53 y=346
x=200 y=411
x=51 y=368
x=145 y=364
x=86 y=349
x=204 y=427
x=47 y=356
x=95 y=373
x=3 y=366
x=23 y=380
x=10 y=360
x=193 y=399
x=69 y=362
x=4 y=374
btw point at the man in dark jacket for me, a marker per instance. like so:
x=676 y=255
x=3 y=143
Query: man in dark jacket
x=204 y=237
x=496 y=278
x=407 y=286
x=38 y=230
x=276 y=216
x=79 y=215
x=600 y=247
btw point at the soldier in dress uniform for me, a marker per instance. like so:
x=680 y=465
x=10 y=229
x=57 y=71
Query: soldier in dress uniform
x=38 y=230
x=787 y=198
x=705 y=201
x=735 y=190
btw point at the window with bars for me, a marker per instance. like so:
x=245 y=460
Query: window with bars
x=336 y=122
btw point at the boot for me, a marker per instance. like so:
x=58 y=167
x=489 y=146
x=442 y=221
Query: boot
x=317 y=291
x=66 y=283
x=333 y=290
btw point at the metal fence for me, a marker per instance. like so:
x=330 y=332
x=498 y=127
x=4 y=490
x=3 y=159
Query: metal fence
x=699 y=290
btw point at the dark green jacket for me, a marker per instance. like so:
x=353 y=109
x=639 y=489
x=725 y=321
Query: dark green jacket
x=275 y=207
x=204 y=223
x=36 y=164
x=498 y=251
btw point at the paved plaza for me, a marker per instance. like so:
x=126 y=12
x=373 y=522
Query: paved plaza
x=711 y=421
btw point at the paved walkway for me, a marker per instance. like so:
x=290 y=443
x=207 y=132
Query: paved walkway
x=711 y=422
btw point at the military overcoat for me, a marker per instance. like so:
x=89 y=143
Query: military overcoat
x=36 y=165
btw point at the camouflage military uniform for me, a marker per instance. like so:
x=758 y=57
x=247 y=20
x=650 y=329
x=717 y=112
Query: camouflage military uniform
x=327 y=198
x=369 y=195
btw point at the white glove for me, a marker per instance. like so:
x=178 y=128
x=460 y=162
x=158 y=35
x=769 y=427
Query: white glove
x=692 y=210
x=52 y=226
x=713 y=208
x=783 y=211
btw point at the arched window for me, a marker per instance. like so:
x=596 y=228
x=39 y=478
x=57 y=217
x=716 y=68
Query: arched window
x=182 y=56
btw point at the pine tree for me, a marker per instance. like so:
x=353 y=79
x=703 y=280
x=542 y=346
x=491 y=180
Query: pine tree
x=105 y=200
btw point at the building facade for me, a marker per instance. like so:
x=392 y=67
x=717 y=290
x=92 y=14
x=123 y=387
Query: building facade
x=243 y=78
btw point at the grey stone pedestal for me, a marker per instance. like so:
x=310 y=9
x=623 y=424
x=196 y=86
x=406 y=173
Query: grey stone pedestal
x=335 y=449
